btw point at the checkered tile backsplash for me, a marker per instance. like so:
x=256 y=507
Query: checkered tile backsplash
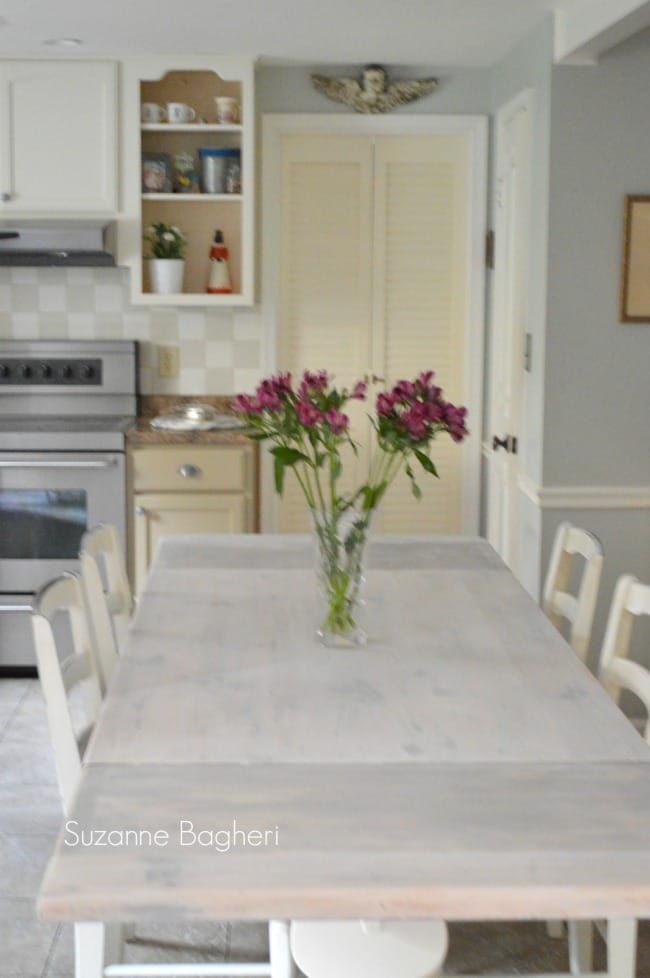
x=220 y=351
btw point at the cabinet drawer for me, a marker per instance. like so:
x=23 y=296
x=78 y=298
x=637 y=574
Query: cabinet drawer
x=191 y=469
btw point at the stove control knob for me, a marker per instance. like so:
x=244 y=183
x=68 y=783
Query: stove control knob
x=26 y=370
x=45 y=370
x=4 y=370
x=66 y=371
x=87 y=371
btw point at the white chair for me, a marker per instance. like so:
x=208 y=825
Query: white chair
x=102 y=544
x=60 y=678
x=369 y=949
x=558 y=603
x=615 y=671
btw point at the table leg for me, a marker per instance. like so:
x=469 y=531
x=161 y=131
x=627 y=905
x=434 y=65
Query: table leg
x=621 y=948
x=581 y=946
x=96 y=946
x=282 y=963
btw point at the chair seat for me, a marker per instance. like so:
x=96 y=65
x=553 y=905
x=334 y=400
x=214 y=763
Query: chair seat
x=356 y=949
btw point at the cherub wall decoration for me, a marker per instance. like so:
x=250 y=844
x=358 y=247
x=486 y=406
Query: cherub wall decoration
x=372 y=93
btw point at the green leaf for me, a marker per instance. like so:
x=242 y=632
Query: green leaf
x=425 y=462
x=278 y=471
x=415 y=489
x=289 y=456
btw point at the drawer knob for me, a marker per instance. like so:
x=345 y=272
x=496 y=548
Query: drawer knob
x=140 y=511
x=189 y=471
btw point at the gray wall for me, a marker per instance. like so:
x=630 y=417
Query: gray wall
x=597 y=404
x=597 y=369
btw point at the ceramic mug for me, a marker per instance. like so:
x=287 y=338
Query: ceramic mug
x=152 y=113
x=178 y=113
x=227 y=109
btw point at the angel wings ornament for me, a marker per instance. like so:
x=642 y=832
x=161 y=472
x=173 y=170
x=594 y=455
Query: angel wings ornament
x=373 y=93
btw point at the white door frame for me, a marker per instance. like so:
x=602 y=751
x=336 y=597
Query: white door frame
x=508 y=326
x=475 y=129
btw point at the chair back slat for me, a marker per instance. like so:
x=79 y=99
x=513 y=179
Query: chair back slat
x=102 y=544
x=558 y=603
x=631 y=600
x=102 y=634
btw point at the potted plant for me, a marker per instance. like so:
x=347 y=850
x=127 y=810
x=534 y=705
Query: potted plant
x=167 y=244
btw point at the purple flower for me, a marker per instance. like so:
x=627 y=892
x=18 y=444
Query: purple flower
x=268 y=400
x=244 y=404
x=385 y=404
x=425 y=378
x=282 y=383
x=405 y=390
x=308 y=415
x=455 y=421
x=313 y=383
x=359 y=391
x=434 y=412
x=337 y=421
x=414 y=422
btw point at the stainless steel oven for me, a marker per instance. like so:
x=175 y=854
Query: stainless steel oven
x=64 y=410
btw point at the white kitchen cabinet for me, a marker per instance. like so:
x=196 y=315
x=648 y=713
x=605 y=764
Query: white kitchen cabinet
x=177 y=489
x=196 y=82
x=58 y=138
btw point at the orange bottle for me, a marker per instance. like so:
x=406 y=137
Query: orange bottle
x=219 y=282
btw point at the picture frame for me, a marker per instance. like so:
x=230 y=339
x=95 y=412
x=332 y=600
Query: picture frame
x=635 y=273
x=157 y=175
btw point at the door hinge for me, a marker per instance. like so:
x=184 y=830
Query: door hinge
x=489 y=249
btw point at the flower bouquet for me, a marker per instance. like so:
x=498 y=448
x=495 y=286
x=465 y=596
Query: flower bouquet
x=309 y=429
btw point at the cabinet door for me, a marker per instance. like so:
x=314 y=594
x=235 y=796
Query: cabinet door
x=326 y=307
x=160 y=515
x=374 y=272
x=420 y=298
x=58 y=133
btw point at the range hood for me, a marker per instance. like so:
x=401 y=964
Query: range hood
x=57 y=243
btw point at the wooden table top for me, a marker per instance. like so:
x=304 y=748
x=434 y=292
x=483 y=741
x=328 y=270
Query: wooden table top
x=464 y=764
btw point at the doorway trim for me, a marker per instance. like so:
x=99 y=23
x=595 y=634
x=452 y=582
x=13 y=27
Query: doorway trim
x=475 y=129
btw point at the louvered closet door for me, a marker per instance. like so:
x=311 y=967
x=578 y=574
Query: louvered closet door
x=325 y=284
x=373 y=279
x=420 y=295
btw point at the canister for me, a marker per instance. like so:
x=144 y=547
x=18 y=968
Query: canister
x=215 y=164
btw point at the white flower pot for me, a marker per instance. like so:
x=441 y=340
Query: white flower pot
x=166 y=274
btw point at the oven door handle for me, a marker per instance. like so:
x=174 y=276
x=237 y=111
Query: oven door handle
x=89 y=464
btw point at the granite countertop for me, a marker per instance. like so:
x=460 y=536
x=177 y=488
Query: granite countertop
x=152 y=405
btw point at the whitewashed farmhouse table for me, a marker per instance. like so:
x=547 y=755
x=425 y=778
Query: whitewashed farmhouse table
x=463 y=765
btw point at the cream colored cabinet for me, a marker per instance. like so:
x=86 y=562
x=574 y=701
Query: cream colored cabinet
x=58 y=137
x=374 y=264
x=163 y=174
x=198 y=489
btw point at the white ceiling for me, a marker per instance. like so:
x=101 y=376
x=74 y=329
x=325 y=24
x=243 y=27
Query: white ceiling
x=401 y=32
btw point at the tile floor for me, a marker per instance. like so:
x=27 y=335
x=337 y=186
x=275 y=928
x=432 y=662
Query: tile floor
x=30 y=815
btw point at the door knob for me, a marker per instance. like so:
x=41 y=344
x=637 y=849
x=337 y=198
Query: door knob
x=140 y=510
x=189 y=471
x=5 y=197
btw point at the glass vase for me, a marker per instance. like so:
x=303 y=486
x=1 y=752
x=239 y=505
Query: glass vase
x=340 y=539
